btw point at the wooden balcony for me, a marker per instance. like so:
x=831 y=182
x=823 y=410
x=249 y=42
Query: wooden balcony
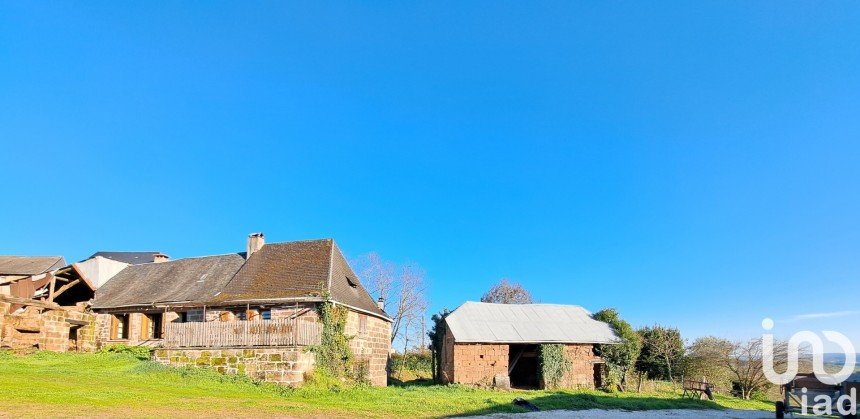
x=243 y=334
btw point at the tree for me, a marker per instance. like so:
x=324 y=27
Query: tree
x=706 y=360
x=744 y=360
x=437 y=339
x=740 y=362
x=662 y=351
x=507 y=293
x=403 y=290
x=620 y=357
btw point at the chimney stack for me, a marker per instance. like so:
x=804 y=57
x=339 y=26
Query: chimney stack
x=255 y=243
x=381 y=303
x=159 y=257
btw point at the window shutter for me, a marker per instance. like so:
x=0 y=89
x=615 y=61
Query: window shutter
x=114 y=322
x=144 y=326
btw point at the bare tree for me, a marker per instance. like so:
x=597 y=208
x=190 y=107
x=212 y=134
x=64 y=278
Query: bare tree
x=403 y=290
x=507 y=293
x=744 y=361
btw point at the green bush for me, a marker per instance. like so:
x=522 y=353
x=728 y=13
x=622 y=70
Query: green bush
x=139 y=352
x=553 y=365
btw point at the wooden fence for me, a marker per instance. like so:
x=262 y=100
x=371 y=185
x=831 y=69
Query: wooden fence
x=242 y=333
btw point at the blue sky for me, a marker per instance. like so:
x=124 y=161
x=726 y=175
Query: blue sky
x=692 y=164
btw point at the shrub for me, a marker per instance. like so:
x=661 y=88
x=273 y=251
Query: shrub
x=619 y=357
x=553 y=365
x=139 y=352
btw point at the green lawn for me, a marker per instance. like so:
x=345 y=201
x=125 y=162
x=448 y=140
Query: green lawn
x=51 y=384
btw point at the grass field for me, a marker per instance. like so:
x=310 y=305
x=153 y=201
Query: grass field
x=46 y=384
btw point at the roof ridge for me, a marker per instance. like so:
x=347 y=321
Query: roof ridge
x=127 y=251
x=301 y=241
x=527 y=304
x=31 y=257
x=187 y=258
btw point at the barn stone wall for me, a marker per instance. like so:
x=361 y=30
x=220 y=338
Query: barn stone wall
x=582 y=360
x=472 y=363
x=480 y=363
x=277 y=365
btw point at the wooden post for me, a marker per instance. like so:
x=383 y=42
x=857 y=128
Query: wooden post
x=52 y=287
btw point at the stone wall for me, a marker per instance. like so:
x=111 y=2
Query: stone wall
x=62 y=329
x=278 y=365
x=371 y=346
x=303 y=310
x=478 y=363
x=582 y=360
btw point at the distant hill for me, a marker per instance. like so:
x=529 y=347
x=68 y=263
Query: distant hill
x=837 y=360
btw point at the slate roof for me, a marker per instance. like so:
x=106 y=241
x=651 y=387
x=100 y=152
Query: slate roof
x=290 y=271
x=300 y=269
x=194 y=280
x=526 y=323
x=30 y=265
x=132 y=258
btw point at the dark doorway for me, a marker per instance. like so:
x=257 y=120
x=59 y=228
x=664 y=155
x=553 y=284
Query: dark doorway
x=598 y=375
x=73 y=338
x=523 y=366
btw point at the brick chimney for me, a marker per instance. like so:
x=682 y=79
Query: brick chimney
x=256 y=241
x=160 y=257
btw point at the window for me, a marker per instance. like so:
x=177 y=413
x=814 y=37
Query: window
x=119 y=326
x=195 y=315
x=183 y=317
x=240 y=315
x=362 y=324
x=266 y=314
x=150 y=326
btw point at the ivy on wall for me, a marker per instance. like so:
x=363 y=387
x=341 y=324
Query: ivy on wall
x=553 y=365
x=333 y=354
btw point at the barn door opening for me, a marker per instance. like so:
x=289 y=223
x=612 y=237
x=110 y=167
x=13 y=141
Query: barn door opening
x=523 y=366
x=598 y=375
x=73 y=338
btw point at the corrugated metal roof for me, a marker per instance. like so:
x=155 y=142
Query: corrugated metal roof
x=475 y=322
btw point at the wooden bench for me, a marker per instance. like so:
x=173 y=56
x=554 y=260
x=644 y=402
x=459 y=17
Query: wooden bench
x=698 y=389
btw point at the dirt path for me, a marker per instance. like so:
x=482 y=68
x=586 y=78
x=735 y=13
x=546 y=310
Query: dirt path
x=646 y=414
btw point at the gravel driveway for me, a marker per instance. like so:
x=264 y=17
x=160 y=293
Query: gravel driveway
x=642 y=414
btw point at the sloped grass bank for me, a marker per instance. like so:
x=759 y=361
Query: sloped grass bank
x=46 y=384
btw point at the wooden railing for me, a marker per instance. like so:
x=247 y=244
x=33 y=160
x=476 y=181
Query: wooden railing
x=241 y=333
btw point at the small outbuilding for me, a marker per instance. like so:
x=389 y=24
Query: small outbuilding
x=497 y=344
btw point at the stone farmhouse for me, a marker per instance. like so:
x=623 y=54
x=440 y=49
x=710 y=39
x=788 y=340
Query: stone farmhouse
x=251 y=313
x=498 y=344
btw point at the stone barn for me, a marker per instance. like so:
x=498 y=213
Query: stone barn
x=499 y=344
